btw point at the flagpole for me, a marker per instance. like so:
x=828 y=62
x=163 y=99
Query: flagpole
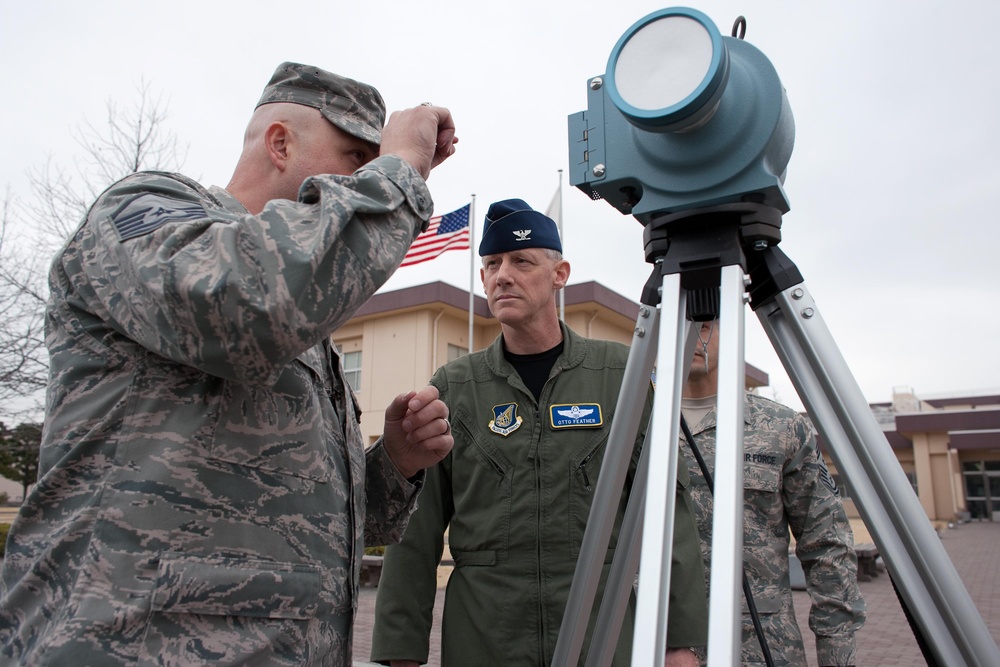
x=562 y=292
x=472 y=269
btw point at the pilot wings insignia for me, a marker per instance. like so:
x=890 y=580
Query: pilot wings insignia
x=575 y=412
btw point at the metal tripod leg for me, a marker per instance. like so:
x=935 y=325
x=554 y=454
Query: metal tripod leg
x=618 y=589
x=608 y=490
x=725 y=636
x=626 y=561
x=920 y=567
x=649 y=642
x=650 y=639
x=657 y=544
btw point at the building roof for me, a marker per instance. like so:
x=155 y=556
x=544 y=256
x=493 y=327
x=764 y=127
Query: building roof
x=421 y=296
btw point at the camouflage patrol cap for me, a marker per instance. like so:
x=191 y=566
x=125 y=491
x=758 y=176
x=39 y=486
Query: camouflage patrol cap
x=354 y=107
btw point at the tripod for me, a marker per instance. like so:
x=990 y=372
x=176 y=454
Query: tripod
x=697 y=255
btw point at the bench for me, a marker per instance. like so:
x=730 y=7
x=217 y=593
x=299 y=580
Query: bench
x=371 y=570
x=867 y=556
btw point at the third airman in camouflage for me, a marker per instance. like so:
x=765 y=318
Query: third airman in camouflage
x=786 y=486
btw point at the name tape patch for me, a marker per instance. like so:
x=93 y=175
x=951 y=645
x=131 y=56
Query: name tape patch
x=575 y=415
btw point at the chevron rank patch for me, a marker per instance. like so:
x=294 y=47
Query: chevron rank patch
x=505 y=419
x=575 y=415
x=147 y=213
x=826 y=477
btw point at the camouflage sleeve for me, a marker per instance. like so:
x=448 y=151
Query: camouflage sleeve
x=825 y=547
x=390 y=497
x=239 y=296
x=405 y=605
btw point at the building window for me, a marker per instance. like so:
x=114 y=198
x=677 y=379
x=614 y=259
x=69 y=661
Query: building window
x=982 y=489
x=351 y=362
x=454 y=352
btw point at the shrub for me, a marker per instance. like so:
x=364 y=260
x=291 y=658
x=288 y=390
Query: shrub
x=4 y=529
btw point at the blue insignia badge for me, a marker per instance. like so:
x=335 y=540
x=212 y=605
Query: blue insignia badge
x=575 y=415
x=505 y=419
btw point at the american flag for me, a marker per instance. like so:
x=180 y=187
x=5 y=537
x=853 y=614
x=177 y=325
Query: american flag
x=445 y=232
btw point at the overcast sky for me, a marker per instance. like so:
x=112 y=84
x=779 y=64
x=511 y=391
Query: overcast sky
x=890 y=182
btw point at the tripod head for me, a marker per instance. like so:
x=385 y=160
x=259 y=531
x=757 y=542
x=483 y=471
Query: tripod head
x=697 y=243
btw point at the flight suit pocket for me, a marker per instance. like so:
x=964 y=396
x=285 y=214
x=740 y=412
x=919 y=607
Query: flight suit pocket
x=584 y=470
x=481 y=478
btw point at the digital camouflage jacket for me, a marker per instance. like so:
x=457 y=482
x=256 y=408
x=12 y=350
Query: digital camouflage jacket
x=204 y=492
x=786 y=486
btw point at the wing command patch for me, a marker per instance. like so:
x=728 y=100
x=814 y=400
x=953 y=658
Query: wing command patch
x=505 y=419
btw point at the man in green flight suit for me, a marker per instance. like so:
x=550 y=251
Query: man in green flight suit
x=530 y=416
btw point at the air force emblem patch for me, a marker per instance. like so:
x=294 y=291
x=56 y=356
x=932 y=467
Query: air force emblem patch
x=505 y=419
x=522 y=234
x=575 y=415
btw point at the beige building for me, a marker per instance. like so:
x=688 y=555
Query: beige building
x=949 y=448
x=398 y=339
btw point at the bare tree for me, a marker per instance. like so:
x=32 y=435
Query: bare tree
x=23 y=359
x=132 y=138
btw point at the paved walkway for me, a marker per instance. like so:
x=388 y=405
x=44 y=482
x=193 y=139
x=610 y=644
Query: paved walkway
x=886 y=639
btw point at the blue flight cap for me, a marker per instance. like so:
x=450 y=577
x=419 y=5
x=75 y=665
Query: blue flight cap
x=511 y=225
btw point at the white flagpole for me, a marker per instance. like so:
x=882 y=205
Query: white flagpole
x=559 y=223
x=472 y=270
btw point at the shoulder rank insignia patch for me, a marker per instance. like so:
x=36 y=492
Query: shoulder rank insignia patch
x=575 y=415
x=826 y=477
x=147 y=213
x=505 y=419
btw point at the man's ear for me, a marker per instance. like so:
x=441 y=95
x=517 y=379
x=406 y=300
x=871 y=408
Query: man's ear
x=276 y=141
x=561 y=274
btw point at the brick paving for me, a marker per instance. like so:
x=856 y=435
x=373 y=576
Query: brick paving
x=886 y=639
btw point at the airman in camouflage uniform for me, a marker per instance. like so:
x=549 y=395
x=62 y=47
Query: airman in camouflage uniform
x=786 y=486
x=204 y=493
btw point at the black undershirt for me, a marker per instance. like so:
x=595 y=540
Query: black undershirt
x=534 y=369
